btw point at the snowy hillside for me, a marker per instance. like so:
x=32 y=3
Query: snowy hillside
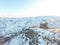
x=30 y=31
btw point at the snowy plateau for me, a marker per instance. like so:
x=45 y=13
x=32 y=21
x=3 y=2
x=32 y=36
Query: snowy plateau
x=44 y=30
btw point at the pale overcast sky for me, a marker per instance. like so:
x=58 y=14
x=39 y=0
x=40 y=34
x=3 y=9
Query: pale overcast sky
x=29 y=8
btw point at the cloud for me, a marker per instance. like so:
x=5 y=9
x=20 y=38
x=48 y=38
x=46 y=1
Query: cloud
x=39 y=8
x=45 y=7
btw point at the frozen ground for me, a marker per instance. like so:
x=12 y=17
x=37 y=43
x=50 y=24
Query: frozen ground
x=27 y=31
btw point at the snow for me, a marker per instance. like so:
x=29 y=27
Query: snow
x=10 y=26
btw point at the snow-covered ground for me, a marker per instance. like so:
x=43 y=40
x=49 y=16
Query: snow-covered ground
x=16 y=29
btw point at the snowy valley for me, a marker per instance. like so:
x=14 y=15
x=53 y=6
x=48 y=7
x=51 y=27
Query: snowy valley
x=42 y=30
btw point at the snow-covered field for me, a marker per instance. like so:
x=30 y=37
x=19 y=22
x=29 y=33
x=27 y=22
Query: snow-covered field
x=27 y=31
